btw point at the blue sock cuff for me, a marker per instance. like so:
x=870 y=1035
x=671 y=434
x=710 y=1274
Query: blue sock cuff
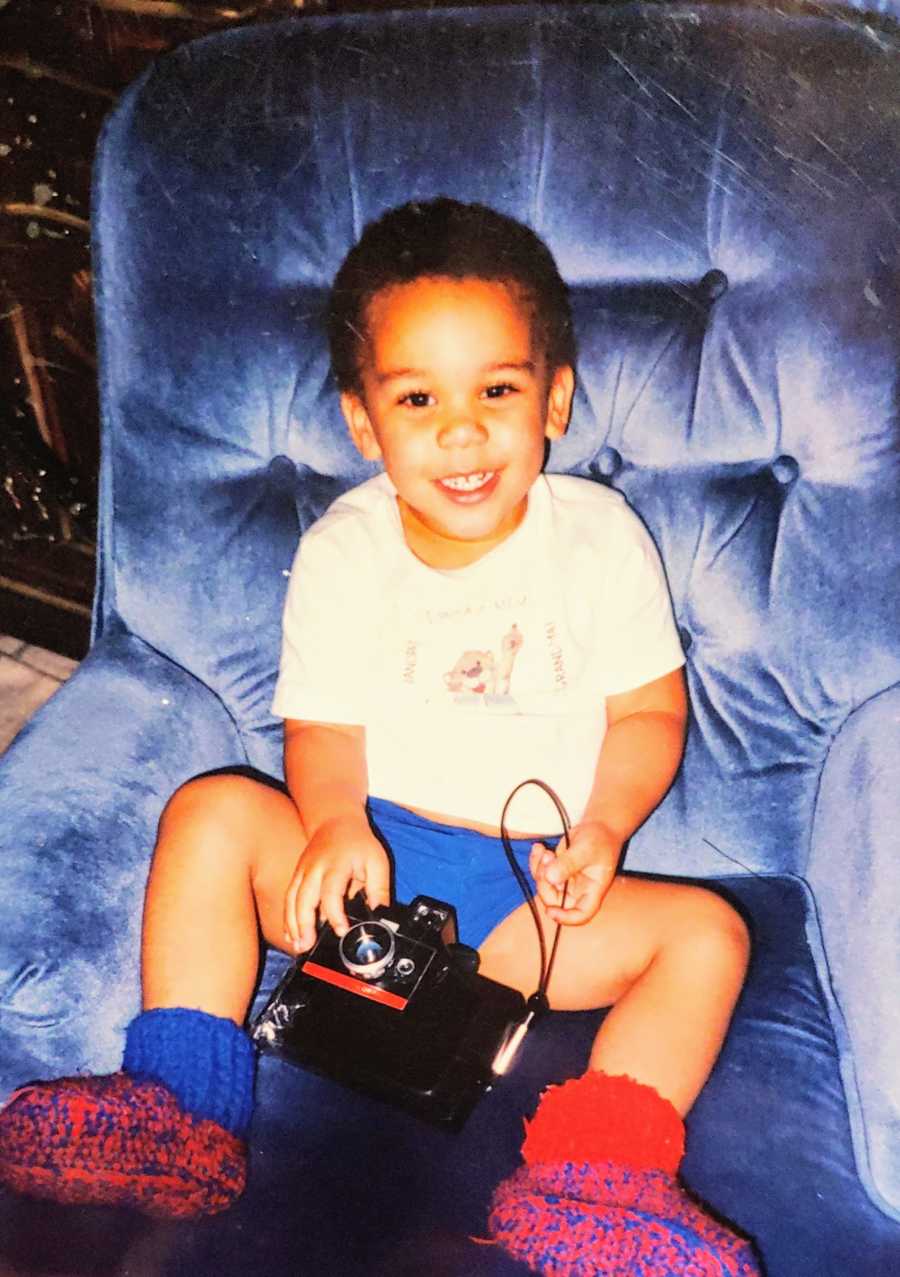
x=207 y=1062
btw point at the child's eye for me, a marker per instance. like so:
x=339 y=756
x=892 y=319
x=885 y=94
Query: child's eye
x=500 y=390
x=416 y=399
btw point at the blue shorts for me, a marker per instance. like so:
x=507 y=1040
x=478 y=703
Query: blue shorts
x=458 y=866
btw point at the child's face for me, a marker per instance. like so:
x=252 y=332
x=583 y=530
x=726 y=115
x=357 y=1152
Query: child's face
x=457 y=402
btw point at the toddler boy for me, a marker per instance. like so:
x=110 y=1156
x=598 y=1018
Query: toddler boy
x=458 y=623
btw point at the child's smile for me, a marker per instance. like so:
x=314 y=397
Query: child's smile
x=457 y=402
x=469 y=487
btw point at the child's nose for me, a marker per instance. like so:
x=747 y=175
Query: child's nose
x=461 y=431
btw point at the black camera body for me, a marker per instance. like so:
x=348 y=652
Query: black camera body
x=395 y=1008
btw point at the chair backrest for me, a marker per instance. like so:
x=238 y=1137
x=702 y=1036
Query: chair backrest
x=720 y=189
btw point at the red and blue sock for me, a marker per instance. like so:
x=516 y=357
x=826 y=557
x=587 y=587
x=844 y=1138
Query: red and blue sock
x=164 y=1136
x=598 y=1193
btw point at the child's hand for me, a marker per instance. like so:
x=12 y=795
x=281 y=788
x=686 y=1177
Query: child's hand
x=586 y=869
x=342 y=858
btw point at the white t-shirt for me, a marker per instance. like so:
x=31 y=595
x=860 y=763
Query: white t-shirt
x=472 y=680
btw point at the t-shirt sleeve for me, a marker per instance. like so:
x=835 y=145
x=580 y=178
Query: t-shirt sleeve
x=319 y=675
x=641 y=637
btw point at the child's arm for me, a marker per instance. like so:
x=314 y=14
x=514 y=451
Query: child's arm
x=638 y=761
x=325 y=769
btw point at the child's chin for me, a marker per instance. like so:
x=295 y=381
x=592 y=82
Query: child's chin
x=475 y=532
x=475 y=522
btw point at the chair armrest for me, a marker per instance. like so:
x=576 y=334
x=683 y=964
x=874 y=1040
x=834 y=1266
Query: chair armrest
x=854 y=871
x=81 y=791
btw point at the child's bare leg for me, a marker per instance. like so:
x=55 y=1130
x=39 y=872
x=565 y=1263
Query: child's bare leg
x=224 y=857
x=667 y=1028
x=669 y=959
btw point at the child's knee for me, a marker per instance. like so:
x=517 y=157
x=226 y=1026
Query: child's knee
x=216 y=804
x=711 y=933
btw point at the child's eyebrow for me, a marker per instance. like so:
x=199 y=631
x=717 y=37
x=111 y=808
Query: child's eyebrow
x=522 y=365
x=395 y=374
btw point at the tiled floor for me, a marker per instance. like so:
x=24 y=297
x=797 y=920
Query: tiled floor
x=28 y=676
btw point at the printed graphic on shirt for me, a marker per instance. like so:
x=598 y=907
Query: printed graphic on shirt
x=471 y=659
x=480 y=673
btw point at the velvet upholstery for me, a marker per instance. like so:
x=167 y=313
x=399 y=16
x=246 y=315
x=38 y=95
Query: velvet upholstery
x=719 y=186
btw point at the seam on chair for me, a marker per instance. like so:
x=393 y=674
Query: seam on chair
x=892 y=687
x=859 y=1135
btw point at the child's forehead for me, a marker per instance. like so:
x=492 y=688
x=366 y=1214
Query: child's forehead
x=449 y=293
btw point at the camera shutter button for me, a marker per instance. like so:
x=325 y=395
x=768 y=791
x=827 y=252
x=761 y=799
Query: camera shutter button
x=405 y=967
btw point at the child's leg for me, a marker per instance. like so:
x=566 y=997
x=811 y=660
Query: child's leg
x=667 y=1027
x=602 y=1151
x=165 y=1135
x=669 y=959
x=225 y=853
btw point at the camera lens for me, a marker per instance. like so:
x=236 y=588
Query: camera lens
x=367 y=949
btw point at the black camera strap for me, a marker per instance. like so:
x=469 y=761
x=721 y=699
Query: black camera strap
x=538 y=1003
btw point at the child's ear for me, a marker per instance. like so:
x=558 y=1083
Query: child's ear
x=360 y=426
x=559 y=402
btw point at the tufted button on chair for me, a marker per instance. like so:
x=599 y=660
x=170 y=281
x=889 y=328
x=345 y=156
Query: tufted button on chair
x=719 y=185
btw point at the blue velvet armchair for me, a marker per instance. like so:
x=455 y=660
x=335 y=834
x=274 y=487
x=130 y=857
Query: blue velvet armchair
x=720 y=187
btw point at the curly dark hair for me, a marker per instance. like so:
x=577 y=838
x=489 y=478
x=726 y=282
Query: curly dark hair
x=444 y=238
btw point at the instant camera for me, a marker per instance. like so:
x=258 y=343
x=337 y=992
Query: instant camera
x=396 y=1008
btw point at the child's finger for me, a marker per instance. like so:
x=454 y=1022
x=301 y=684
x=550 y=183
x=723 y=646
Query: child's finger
x=540 y=856
x=378 y=882
x=575 y=913
x=583 y=899
x=570 y=917
x=331 y=902
x=291 y=929
x=565 y=864
x=548 y=892
x=304 y=912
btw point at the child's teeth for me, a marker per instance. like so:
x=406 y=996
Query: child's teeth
x=466 y=482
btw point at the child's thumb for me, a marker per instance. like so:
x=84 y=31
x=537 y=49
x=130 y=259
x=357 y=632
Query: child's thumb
x=565 y=864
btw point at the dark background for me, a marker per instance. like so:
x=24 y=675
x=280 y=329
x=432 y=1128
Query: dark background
x=62 y=65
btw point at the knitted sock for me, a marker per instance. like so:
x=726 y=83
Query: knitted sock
x=128 y=1139
x=207 y=1062
x=598 y=1193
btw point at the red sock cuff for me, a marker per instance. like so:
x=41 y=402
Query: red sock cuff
x=598 y=1118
